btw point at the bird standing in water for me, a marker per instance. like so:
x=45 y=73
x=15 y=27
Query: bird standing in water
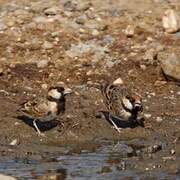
x=46 y=109
x=121 y=102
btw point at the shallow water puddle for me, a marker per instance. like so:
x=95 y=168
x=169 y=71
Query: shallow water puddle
x=110 y=161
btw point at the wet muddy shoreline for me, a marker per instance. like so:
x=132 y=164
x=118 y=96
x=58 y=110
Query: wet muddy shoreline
x=82 y=43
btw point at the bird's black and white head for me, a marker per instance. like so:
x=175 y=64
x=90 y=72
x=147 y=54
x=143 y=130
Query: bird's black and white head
x=132 y=103
x=56 y=93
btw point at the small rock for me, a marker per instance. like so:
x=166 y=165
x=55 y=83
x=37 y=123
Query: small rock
x=4 y=177
x=159 y=119
x=44 y=86
x=171 y=158
x=108 y=39
x=2 y=26
x=106 y=169
x=173 y=151
x=143 y=67
x=159 y=83
x=1 y=70
x=178 y=93
x=51 y=176
x=70 y=6
x=118 y=81
x=81 y=20
x=129 y=31
x=51 y=11
x=14 y=142
x=147 y=115
x=150 y=56
x=154 y=148
x=83 y=6
x=95 y=32
x=170 y=64
x=171 y=21
x=150 y=39
x=47 y=45
x=90 y=13
x=42 y=63
x=40 y=19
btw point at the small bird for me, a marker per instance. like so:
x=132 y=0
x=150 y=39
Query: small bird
x=48 y=108
x=121 y=102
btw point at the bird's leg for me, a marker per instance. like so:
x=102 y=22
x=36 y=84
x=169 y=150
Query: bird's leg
x=36 y=127
x=114 y=124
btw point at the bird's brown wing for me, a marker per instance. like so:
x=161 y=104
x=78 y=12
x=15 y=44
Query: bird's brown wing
x=36 y=108
x=112 y=97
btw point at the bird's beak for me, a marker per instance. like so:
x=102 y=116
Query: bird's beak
x=138 y=106
x=67 y=91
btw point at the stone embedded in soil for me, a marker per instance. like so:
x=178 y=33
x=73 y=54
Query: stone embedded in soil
x=150 y=56
x=171 y=21
x=170 y=64
x=47 y=45
x=153 y=149
x=40 y=19
x=51 y=11
x=129 y=31
x=159 y=119
x=44 y=86
x=143 y=67
x=2 y=26
x=146 y=115
x=106 y=169
x=159 y=83
x=5 y=177
x=53 y=176
x=118 y=81
x=14 y=142
x=81 y=20
x=95 y=32
x=42 y=63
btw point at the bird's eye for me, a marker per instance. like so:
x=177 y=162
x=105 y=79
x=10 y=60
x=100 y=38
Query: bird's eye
x=130 y=99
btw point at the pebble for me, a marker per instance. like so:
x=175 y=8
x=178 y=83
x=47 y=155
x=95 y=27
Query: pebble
x=14 y=142
x=42 y=63
x=171 y=21
x=1 y=70
x=81 y=20
x=146 y=115
x=47 y=45
x=170 y=65
x=129 y=31
x=51 y=176
x=40 y=19
x=159 y=83
x=2 y=26
x=51 y=11
x=154 y=148
x=5 y=177
x=44 y=86
x=95 y=32
x=143 y=67
x=173 y=151
x=150 y=55
x=159 y=119
x=118 y=81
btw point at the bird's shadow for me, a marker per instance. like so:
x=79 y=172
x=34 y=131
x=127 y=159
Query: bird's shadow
x=119 y=121
x=42 y=125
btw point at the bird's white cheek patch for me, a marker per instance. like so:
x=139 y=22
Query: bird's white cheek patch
x=54 y=94
x=127 y=104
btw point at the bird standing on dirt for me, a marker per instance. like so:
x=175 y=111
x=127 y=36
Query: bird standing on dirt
x=46 y=109
x=121 y=102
